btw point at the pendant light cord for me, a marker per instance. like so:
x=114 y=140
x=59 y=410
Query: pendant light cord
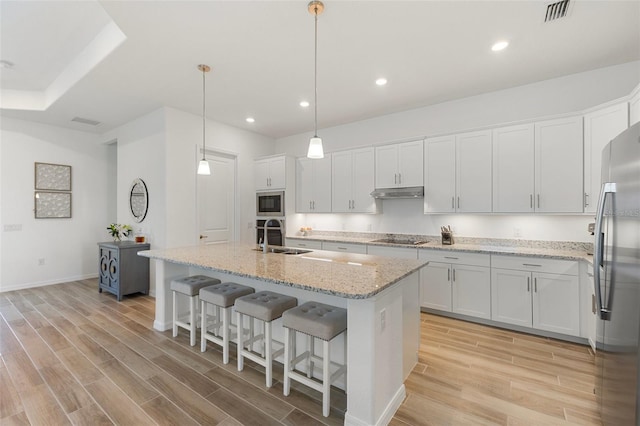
x=315 y=76
x=204 y=141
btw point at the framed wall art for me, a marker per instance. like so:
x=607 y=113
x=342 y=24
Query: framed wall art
x=52 y=205
x=52 y=177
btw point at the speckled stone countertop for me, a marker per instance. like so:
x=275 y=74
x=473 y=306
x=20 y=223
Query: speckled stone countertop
x=348 y=275
x=567 y=250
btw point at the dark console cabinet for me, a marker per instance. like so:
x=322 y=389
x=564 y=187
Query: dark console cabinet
x=122 y=271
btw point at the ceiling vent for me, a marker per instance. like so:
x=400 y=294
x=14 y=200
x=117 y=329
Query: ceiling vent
x=85 y=121
x=556 y=10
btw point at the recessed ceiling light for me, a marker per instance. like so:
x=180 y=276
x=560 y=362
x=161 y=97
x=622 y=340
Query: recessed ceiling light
x=250 y=120
x=304 y=104
x=381 y=81
x=499 y=46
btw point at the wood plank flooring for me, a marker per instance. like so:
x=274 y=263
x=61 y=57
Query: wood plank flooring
x=71 y=355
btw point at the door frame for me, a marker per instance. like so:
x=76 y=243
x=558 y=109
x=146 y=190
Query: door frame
x=233 y=156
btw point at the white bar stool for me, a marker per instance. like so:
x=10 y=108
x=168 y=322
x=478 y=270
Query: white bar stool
x=316 y=320
x=189 y=286
x=222 y=296
x=265 y=306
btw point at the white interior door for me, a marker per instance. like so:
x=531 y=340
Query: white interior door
x=216 y=200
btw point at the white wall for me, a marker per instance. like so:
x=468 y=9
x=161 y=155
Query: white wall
x=68 y=246
x=563 y=95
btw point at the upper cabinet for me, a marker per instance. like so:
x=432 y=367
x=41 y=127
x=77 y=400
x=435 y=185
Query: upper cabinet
x=399 y=165
x=458 y=173
x=558 y=166
x=634 y=107
x=313 y=185
x=353 y=181
x=513 y=169
x=270 y=173
x=600 y=127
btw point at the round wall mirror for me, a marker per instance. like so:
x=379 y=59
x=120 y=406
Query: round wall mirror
x=139 y=200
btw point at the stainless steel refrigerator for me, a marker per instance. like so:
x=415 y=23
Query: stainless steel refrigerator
x=617 y=281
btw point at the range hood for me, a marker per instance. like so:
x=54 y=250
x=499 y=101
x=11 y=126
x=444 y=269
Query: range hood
x=408 y=192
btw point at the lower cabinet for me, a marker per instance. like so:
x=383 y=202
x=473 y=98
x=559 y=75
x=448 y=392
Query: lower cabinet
x=542 y=300
x=122 y=271
x=456 y=286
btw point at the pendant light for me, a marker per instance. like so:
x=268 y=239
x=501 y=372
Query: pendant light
x=315 y=143
x=203 y=165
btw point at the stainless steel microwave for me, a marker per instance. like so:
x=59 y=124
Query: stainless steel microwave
x=270 y=203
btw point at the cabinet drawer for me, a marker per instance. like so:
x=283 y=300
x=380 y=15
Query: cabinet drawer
x=342 y=247
x=454 y=257
x=401 y=252
x=310 y=244
x=535 y=264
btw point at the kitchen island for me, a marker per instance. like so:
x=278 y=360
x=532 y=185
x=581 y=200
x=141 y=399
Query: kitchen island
x=381 y=296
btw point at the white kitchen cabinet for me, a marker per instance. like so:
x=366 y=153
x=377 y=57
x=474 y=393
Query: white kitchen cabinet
x=530 y=292
x=344 y=247
x=305 y=244
x=458 y=173
x=440 y=175
x=388 y=251
x=473 y=172
x=270 y=173
x=456 y=282
x=313 y=185
x=559 y=166
x=634 y=107
x=353 y=180
x=600 y=127
x=513 y=169
x=399 y=165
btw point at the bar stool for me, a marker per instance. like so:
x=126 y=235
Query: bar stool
x=265 y=306
x=316 y=320
x=189 y=286
x=222 y=296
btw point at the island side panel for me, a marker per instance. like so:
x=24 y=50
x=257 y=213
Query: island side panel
x=380 y=351
x=164 y=273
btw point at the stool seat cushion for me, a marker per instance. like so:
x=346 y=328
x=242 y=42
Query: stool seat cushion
x=265 y=305
x=316 y=319
x=224 y=294
x=191 y=285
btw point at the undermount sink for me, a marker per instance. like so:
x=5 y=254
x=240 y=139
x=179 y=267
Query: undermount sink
x=284 y=250
x=394 y=241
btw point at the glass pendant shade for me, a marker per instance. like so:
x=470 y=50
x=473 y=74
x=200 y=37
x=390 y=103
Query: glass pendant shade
x=315 y=148
x=203 y=167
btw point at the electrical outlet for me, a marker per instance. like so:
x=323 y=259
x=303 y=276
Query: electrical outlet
x=383 y=319
x=41 y=261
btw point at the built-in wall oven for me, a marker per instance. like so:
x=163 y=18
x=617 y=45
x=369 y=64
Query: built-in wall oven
x=275 y=232
x=270 y=204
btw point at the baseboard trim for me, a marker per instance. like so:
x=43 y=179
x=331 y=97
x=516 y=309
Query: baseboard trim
x=386 y=416
x=5 y=288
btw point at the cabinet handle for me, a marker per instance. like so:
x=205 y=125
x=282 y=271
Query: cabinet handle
x=531 y=264
x=458 y=202
x=453 y=206
x=451 y=257
x=400 y=178
x=341 y=248
x=314 y=204
x=531 y=200
x=528 y=284
x=454 y=275
x=535 y=285
x=586 y=199
x=448 y=275
x=302 y=244
x=538 y=200
x=395 y=178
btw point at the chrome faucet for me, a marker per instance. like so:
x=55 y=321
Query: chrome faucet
x=266 y=225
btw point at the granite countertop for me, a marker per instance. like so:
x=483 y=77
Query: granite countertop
x=348 y=275
x=565 y=250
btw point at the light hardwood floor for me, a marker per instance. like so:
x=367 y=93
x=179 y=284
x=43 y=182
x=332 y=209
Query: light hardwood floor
x=73 y=356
